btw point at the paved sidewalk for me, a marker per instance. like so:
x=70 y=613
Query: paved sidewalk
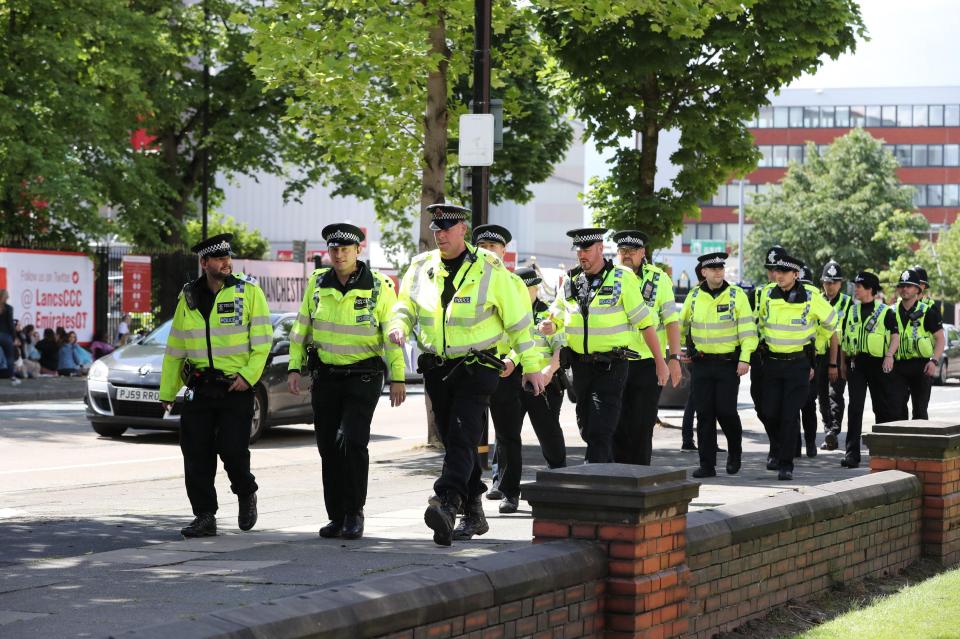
x=70 y=590
x=42 y=389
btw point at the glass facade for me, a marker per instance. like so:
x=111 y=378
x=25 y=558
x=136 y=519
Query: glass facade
x=886 y=115
x=910 y=155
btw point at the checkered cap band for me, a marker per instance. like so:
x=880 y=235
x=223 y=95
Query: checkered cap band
x=345 y=236
x=629 y=239
x=448 y=214
x=589 y=237
x=214 y=248
x=786 y=263
x=491 y=236
x=713 y=261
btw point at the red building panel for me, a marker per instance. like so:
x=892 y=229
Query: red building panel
x=916 y=135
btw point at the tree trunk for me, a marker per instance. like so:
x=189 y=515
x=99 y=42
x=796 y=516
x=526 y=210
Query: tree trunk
x=434 y=159
x=649 y=135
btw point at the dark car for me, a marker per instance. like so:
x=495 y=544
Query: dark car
x=123 y=388
x=949 y=365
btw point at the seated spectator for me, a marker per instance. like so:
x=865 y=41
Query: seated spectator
x=70 y=361
x=99 y=346
x=29 y=360
x=49 y=349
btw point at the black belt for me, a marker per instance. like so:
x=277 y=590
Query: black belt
x=368 y=367
x=732 y=356
x=430 y=361
x=786 y=357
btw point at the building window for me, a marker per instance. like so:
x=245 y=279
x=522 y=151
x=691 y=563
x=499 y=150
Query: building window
x=919 y=155
x=689 y=231
x=934 y=155
x=811 y=117
x=781 y=117
x=951 y=115
x=873 y=116
x=703 y=231
x=936 y=115
x=843 y=117
x=904 y=116
x=951 y=154
x=934 y=195
x=795 y=153
x=951 y=195
x=780 y=155
x=766 y=155
x=826 y=117
x=796 y=117
x=858 y=116
x=920 y=115
x=904 y=155
x=717 y=231
x=889 y=116
x=920 y=195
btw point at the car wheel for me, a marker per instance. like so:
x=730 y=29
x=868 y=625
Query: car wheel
x=259 y=422
x=942 y=373
x=109 y=430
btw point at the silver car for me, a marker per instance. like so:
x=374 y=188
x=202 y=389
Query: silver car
x=123 y=388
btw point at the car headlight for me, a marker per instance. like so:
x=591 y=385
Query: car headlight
x=98 y=372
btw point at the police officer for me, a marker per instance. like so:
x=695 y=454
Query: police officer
x=724 y=334
x=870 y=341
x=633 y=439
x=506 y=409
x=756 y=364
x=218 y=346
x=601 y=308
x=830 y=394
x=920 y=349
x=460 y=300
x=343 y=321
x=788 y=324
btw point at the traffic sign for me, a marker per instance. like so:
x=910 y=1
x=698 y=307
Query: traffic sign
x=702 y=247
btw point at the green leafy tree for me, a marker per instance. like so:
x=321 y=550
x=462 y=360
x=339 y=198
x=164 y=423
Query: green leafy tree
x=379 y=84
x=940 y=258
x=246 y=243
x=701 y=67
x=848 y=206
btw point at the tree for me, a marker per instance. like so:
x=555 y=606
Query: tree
x=848 y=206
x=940 y=258
x=702 y=67
x=373 y=83
x=246 y=244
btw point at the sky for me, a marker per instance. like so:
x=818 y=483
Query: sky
x=911 y=43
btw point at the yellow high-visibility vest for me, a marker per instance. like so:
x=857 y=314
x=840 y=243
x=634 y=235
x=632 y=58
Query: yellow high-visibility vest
x=719 y=325
x=788 y=327
x=657 y=291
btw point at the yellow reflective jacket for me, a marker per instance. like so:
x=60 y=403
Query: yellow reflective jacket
x=788 y=327
x=545 y=346
x=616 y=310
x=657 y=291
x=235 y=339
x=915 y=340
x=841 y=304
x=346 y=328
x=719 y=325
x=486 y=305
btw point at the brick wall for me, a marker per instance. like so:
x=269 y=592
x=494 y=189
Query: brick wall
x=745 y=559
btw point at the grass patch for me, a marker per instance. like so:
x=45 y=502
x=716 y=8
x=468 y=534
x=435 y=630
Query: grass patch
x=930 y=610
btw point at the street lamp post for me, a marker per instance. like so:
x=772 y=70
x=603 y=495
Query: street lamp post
x=480 y=182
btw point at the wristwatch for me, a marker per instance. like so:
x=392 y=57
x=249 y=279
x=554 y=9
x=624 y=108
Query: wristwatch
x=673 y=356
x=834 y=365
x=933 y=361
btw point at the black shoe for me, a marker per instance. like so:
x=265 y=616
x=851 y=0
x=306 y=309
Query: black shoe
x=829 y=442
x=688 y=446
x=846 y=462
x=332 y=529
x=353 y=526
x=704 y=472
x=721 y=450
x=494 y=494
x=785 y=475
x=247 y=517
x=204 y=525
x=733 y=464
x=509 y=505
x=441 y=519
x=473 y=522
x=812 y=448
x=773 y=463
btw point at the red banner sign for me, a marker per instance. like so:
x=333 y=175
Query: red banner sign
x=136 y=283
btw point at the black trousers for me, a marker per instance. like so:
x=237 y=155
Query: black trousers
x=866 y=373
x=830 y=395
x=808 y=413
x=756 y=393
x=911 y=385
x=459 y=407
x=689 y=414
x=212 y=427
x=785 y=388
x=343 y=407
x=506 y=413
x=715 y=387
x=633 y=439
x=544 y=411
x=599 y=391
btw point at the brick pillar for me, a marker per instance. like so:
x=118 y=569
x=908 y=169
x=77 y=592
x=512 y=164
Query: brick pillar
x=931 y=451
x=639 y=515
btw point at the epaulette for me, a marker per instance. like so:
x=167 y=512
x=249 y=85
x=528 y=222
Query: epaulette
x=490 y=258
x=383 y=278
x=249 y=279
x=423 y=257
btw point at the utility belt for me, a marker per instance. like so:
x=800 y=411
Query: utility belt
x=207 y=383
x=427 y=362
x=605 y=360
x=786 y=357
x=367 y=369
x=732 y=356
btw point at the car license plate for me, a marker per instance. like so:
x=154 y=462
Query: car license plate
x=138 y=394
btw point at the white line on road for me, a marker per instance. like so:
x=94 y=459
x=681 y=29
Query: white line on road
x=73 y=466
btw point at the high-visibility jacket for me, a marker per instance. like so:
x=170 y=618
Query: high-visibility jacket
x=486 y=305
x=867 y=335
x=841 y=304
x=234 y=339
x=657 y=291
x=616 y=311
x=719 y=325
x=545 y=346
x=915 y=340
x=503 y=346
x=788 y=327
x=346 y=328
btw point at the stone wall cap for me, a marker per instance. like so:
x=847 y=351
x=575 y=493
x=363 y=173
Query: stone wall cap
x=918 y=427
x=621 y=476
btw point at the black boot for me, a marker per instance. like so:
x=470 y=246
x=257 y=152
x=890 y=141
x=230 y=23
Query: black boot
x=247 y=517
x=332 y=529
x=829 y=442
x=353 y=526
x=811 y=448
x=204 y=525
x=474 y=521
x=703 y=471
x=733 y=463
x=441 y=518
x=508 y=505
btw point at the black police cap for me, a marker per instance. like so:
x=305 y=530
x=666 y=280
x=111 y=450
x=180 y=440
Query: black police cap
x=922 y=272
x=831 y=272
x=631 y=238
x=216 y=246
x=712 y=260
x=910 y=277
x=868 y=280
x=444 y=216
x=491 y=233
x=774 y=255
x=583 y=238
x=342 y=234
x=806 y=275
x=787 y=263
x=529 y=276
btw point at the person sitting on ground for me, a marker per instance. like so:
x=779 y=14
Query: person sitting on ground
x=49 y=349
x=99 y=346
x=70 y=361
x=29 y=362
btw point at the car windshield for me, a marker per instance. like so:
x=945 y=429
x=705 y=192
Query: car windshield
x=159 y=335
